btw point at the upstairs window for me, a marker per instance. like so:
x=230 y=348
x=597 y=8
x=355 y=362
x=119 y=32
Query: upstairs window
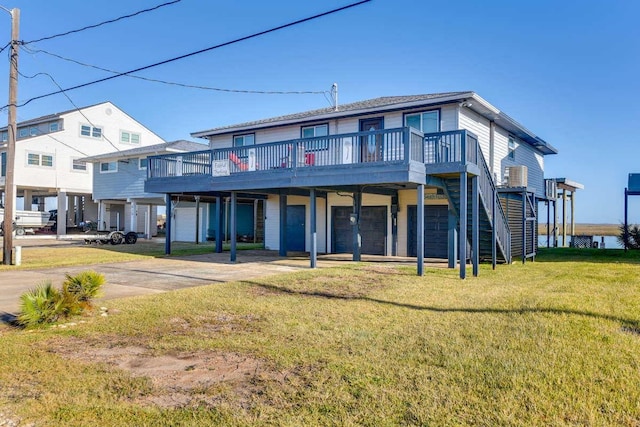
x=4 y=136
x=33 y=131
x=37 y=159
x=512 y=148
x=108 y=167
x=244 y=140
x=426 y=121
x=91 y=131
x=54 y=127
x=313 y=131
x=129 y=137
x=79 y=166
x=23 y=132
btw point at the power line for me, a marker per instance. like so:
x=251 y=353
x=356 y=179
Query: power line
x=254 y=35
x=270 y=92
x=110 y=21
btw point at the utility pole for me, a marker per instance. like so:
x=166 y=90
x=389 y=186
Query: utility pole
x=9 y=187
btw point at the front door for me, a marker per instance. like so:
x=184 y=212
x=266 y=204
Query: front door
x=371 y=145
x=295 y=228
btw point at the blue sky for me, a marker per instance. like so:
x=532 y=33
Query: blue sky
x=568 y=70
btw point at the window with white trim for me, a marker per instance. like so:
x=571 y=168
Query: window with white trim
x=143 y=162
x=108 y=167
x=425 y=121
x=244 y=140
x=38 y=159
x=91 y=131
x=127 y=137
x=78 y=166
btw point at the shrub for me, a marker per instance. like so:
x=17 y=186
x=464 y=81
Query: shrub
x=46 y=304
x=630 y=240
x=84 y=286
x=42 y=305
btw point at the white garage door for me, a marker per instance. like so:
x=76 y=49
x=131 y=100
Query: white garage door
x=184 y=224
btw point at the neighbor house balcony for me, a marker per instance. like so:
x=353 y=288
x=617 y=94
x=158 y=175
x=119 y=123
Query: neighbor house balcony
x=389 y=156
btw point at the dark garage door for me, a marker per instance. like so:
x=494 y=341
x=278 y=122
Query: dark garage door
x=436 y=222
x=373 y=229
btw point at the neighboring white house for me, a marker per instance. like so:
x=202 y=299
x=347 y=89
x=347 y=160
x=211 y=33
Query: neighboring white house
x=49 y=152
x=118 y=187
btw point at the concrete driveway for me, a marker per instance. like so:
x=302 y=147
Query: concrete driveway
x=153 y=275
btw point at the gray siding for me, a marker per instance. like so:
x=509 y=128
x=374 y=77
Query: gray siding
x=127 y=182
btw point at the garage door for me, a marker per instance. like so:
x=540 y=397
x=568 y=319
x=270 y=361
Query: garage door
x=436 y=224
x=373 y=229
x=184 y=224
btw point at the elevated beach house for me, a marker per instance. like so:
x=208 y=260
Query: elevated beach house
x=444 y=175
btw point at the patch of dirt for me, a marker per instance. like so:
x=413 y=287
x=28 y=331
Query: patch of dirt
x=179 y=379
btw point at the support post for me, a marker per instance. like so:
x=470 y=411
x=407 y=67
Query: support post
x=355 y=223
x=313 y=231
x=133 y=216
x=524 y=225
x=10 y=187
x=234 y=225
x=283 y=224
x=62 y=214
x=219 y=225
x=452 y=238
x=168 y=224
x=564 y=218
x=197 y=198
x=463 y=225
x=27 y=199
x=494 y=232
x=626 y=218
x=148 y=223
x=420 y=230
x=475 y=225
x=573 y=224
x=555 y=222
x=548 y=222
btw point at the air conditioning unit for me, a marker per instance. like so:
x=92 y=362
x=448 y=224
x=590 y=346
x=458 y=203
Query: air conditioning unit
x=517 y=176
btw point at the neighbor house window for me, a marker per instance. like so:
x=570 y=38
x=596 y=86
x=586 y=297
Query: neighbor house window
x=129 y=137
x=108 y=167
x=3 y=164
x=426 y=121
x=142 y=163
x=23 y=132
x=4 y=136
x=243 y=140
x=36 y=159
x=54 y=127
x=317 y=130
x=78 y=165
x=91 y=131
x=512 y=148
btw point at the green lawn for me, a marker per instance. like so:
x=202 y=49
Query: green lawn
x=551 y=342
x=34 y=257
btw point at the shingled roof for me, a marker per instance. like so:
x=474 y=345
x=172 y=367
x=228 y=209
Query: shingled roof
x=385 y=102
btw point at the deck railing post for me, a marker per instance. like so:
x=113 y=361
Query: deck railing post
x=407 y=144
x=463 y=147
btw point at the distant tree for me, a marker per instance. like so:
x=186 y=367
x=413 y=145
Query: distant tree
x=631 y=239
